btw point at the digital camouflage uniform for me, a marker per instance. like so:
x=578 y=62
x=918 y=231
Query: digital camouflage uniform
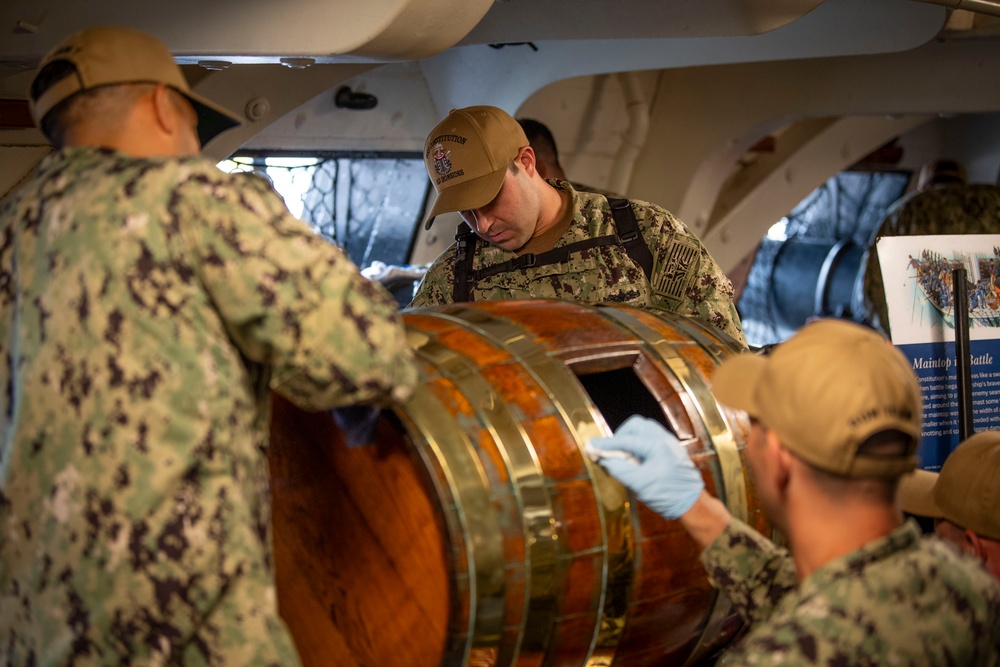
x=146 y=307
x=901 y=600
x=685 y=278
x=958 y=209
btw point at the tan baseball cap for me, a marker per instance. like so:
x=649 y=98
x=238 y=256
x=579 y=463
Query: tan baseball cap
x=825 y=391
x=965 y=492
x=113 y=55
x=466 y=156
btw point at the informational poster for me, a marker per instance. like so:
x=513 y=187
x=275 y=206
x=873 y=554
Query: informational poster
x=917 y=273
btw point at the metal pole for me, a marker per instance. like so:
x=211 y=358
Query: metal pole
x=963 y=357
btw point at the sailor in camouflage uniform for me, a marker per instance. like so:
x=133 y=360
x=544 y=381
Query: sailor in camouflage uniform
x=148 y=304
x=942 y=204
x=545 y=239
x=834 y=423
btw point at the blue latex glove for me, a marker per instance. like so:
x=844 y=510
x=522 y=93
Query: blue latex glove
x=658 y=469
x=357 y=423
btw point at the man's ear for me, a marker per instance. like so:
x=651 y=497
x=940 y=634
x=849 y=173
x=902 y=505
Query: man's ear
x=527 y=161
x=784 y=461
x=974 y=544
x=164 y=110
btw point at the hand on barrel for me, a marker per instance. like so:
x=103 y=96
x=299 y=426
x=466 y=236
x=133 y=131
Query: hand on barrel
x=357 y=423
x=658 y=469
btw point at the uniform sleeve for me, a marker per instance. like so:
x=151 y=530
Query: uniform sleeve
x=686 y=279
x=750 y=570
x=438 y=285
x=7 y=280
x=874 y=292
x=291 y=300
x=872 y=287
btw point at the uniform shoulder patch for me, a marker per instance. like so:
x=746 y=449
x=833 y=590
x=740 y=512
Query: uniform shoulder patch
x=679 y=261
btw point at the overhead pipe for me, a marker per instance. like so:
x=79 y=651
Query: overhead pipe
x=989 y=7
x=637 y=109
x=588 y=124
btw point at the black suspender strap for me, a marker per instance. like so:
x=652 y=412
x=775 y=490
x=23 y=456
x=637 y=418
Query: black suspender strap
x=631 y=238
x=465 y=252
x=553 y=256
x=628 y=237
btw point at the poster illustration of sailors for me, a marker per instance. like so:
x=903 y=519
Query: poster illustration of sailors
x=917 y=273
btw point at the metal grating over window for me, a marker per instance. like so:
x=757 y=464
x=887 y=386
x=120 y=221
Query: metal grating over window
x=369 y=204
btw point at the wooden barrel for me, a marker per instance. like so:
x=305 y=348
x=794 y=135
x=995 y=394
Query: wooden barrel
x=470 y=529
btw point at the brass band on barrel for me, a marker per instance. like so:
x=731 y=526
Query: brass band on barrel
x=585 y=422
x=528 y=489
x=732 y=491
x=695 y=333
x=483 y=542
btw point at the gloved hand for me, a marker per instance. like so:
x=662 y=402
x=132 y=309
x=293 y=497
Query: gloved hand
x=661 y=474
x=357 y=423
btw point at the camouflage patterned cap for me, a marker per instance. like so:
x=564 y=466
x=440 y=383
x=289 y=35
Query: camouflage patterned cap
x=112 y=55
x=965 y=492
x=825 y=391
x=466 y=156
